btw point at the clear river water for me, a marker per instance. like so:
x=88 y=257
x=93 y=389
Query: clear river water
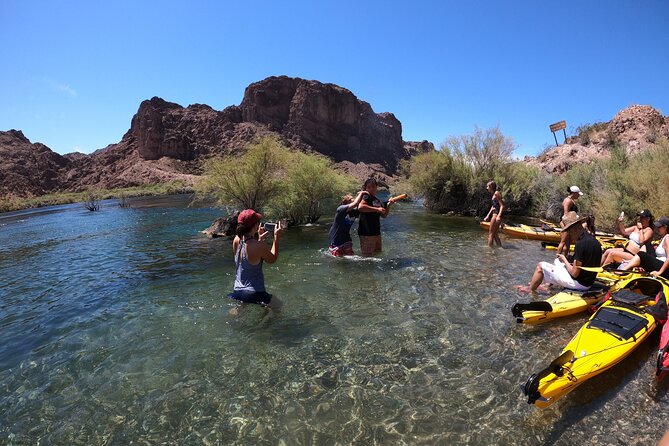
x=116 y=330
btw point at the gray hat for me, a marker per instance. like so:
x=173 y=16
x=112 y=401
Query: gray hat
x=662 y=221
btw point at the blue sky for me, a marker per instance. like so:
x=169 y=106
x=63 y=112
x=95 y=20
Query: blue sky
x=74 y=73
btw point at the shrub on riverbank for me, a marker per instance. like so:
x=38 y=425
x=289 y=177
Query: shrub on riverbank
x=620 y=183
x=271 y=178
x=453 y=179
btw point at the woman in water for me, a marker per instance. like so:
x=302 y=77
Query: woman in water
x=250 y=253
x=568 y=205
x=495 y=214
x=656 y=265
x=339 y=236
x=640 y=237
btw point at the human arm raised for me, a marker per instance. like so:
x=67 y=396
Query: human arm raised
x=270 y=255
x=364 y=207
x=357 y=200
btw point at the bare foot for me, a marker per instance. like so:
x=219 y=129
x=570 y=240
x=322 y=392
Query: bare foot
x=526 y=289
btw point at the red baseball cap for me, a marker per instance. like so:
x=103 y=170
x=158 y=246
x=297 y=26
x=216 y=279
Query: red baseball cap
x=248 y=218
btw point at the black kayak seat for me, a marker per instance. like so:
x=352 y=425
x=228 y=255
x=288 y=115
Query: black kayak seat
x=595 y=289
x=630 y=297
x=620 y=323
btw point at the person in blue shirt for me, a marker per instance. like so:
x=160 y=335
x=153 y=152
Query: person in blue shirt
x=339 y=237
x=250 y=253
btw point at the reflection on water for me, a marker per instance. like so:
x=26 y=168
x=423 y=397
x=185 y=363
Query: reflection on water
x=116 y=330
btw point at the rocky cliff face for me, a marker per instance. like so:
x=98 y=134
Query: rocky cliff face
x=28 y=169
x=166 y=141
x=307 y=114
x=636 y=128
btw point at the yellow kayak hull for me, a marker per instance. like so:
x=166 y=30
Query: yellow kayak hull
x=563 y=304
x=609 y=336
x=552 y=235
x=526 y=232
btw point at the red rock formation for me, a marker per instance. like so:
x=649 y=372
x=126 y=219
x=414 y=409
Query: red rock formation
x=166 y=141
x=28 y=169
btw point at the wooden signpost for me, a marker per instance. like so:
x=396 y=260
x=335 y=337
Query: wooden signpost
x=559 y=126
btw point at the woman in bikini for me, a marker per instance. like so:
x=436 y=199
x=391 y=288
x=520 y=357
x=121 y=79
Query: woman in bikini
x=640 y=237
x=495 y=214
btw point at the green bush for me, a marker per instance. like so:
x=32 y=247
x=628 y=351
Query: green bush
x=311 y=185
x=246 y=182
x=453 y=179
x=271 y=178
x=614 y=184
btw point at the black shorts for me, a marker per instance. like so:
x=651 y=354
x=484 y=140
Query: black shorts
x=251 y=297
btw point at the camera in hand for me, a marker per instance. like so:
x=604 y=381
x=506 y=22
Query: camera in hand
x=269 y=227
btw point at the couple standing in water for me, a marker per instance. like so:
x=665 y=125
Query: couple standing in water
x=250 y=249
x=370 y=210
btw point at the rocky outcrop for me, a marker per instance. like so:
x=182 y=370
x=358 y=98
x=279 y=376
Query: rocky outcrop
x=223 y=226
x=636 y=128
x=308 y=115
x=327 y=118
x=28 y=169
x=166 y=141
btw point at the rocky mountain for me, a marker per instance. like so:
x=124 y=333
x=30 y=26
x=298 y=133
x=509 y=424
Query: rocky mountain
x=167 y=141
x=28 y=169
x=636 y=128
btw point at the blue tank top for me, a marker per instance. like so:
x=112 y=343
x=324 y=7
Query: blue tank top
x=247 y=277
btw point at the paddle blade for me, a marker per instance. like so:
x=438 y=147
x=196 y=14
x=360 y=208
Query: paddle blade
x=517 y=309
x=531 y=387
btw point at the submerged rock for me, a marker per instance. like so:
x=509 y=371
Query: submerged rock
x=223 y=227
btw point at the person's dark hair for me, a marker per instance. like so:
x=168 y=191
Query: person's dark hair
x=590 y=222
x=370 y=182
x=492 y=184
x=242 y=229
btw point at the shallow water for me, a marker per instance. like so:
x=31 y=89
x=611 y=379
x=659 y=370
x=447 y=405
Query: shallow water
x=116 y=330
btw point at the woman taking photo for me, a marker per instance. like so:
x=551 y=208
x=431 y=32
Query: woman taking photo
x=568 y=205
x=250 y=253
x=656 y=265
x=495 y=214
x=640 y=237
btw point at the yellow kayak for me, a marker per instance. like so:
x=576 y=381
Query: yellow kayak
x=621 y=324
x=550 y=235
x=565 y=303
x=527 y=232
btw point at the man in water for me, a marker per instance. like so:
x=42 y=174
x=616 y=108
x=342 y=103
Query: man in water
x=586 y=253
x=339 y=237
x=371 y=210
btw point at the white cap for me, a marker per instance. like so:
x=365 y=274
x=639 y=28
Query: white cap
x=575 y=189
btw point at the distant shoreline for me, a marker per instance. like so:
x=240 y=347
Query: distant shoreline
x=9 y=204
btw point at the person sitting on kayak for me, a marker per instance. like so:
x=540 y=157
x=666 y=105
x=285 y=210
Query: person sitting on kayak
x=658 y=264
x=568 y=205
x=339 y=236
x=494 y=214
x=640 y=237
x=587 y=253
x=249 y=257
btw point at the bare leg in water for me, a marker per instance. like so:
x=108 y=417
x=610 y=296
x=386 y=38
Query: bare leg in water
x=493 y=232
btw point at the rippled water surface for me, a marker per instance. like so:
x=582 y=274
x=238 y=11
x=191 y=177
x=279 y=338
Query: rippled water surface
x=115 y=330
